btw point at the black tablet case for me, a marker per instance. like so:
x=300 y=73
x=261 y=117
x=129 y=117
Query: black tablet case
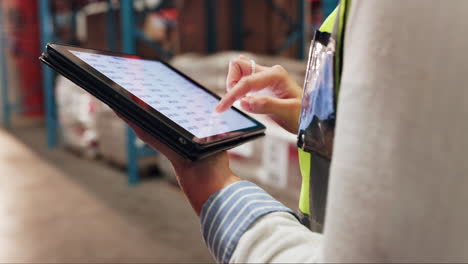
x=127 y=109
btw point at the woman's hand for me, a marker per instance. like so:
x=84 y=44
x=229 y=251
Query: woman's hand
x=282 y=105
x=198 y=179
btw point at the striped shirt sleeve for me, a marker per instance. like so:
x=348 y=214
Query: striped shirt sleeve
x=228 y=213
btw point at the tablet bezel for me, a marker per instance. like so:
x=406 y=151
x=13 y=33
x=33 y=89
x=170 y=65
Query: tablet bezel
x=207 y=141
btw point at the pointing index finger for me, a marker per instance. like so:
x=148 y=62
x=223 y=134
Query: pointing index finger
x=247 y=84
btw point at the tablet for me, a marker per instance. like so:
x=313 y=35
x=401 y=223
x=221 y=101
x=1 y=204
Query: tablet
x=172 y=101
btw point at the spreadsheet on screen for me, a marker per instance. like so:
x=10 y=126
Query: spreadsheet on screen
x=169 y=93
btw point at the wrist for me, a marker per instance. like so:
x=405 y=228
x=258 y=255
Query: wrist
x=199 y=185
x=201 y=179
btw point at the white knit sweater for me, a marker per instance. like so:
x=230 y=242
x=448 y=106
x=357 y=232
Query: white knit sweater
x=399 y=176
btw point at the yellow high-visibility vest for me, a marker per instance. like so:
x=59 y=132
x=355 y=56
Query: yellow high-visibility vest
x=305 y=157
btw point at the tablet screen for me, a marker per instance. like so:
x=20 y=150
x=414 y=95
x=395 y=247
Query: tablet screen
x=169 y=93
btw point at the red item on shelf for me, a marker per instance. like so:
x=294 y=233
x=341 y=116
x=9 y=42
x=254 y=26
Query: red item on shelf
x=170 y=13
x=22 y=26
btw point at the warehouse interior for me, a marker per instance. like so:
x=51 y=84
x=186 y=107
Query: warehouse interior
x=76 y=184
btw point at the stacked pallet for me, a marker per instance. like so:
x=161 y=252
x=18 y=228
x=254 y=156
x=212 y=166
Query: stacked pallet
x=90 y=128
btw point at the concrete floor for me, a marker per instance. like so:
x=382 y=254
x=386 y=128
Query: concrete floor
x=56 y=207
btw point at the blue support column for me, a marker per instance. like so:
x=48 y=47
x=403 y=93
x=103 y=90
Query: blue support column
x=111 y=24
x=72 y=4
x=128 y=26
x=48 y=75
x=238 y=24
x=129 y=46
x=301 y=11
x=3 y=65
x=210 y=25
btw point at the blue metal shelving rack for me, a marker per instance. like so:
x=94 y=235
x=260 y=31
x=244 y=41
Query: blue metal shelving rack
x=129 y=37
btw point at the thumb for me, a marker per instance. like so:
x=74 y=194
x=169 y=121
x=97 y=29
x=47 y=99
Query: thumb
x=285 y=112
x=282 y=108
